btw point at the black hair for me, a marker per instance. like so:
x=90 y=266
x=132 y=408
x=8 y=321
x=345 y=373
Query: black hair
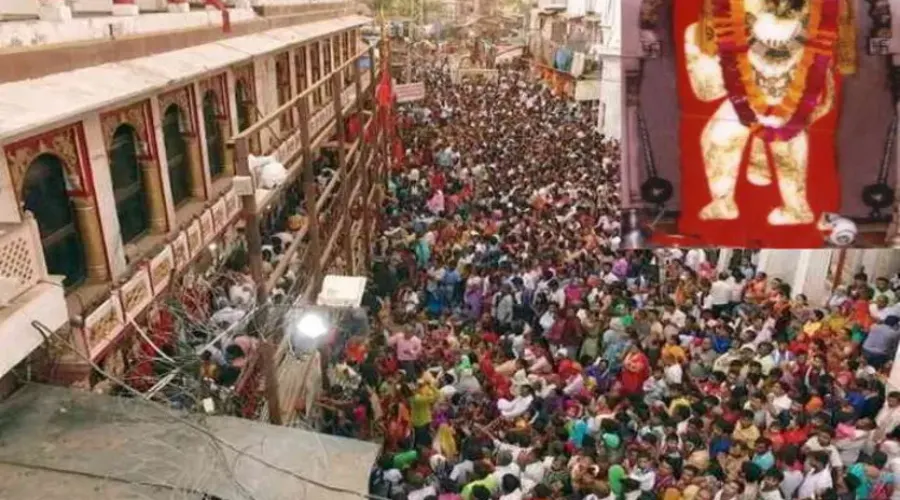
x=510 y=483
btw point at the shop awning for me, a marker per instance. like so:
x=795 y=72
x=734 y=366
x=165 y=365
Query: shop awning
x=124 y=446
x=29 y=104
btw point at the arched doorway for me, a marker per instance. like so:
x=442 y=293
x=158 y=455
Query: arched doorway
x=215 y=146
x=128 y=187
x=44 y=195
x=176 y=155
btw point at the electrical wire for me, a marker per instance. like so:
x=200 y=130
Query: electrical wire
x=45 y=332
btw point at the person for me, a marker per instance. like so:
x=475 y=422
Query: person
x=881 y=342
x=818 y=479
x=408 y=349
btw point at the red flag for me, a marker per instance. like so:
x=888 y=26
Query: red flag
x=371 y=131
x=353 y=125
x=384 y=93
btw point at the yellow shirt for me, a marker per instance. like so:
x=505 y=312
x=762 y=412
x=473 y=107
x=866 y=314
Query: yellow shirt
x=421 y=404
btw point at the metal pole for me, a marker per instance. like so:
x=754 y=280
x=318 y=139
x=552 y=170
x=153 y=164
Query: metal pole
x=267 y=358
x=363 y=164
x=251 y=220
x=309 y=194
x=347 y=181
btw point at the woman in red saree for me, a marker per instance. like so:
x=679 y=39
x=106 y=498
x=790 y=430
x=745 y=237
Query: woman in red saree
x=635 y=370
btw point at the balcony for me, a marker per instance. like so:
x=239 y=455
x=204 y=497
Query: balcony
x=27 y=293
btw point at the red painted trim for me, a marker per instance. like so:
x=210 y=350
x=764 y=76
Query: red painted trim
x=83 y=157
x=147 y=134
x=123 y=2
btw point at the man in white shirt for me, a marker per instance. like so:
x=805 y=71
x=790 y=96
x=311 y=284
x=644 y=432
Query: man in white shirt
x=694 y=258
x=720 y=294
x=818 y=479
x=674 y=315
x=821 y=442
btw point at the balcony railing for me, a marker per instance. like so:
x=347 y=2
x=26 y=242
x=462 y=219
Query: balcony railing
x=326 y=209
x=22 y=263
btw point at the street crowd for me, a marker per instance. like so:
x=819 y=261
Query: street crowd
x=519 y=353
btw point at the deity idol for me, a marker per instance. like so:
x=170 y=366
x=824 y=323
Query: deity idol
x=775 y=64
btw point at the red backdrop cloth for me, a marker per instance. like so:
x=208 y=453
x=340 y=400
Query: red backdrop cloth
x=751 y=228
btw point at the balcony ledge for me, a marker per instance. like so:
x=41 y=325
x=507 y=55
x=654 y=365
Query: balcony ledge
x=45 y=302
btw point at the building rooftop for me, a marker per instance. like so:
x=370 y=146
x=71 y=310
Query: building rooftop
x=38 y=102
x=60 y=443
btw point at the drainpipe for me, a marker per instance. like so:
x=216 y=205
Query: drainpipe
x=220 y=6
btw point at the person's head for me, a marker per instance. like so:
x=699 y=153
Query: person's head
x=772 y=479
x=480 y=492
x=509 y=483
x=762 y=445
x=817 y=460
x=738 y=449
x=893 y=399
x=751 y=472
x=824 y=435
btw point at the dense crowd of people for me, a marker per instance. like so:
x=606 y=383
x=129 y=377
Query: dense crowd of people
x=525 y=355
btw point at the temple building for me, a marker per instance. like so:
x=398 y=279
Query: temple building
x=120 y=170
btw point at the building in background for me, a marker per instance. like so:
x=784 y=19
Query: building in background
x=116 y=172
x=575 y=48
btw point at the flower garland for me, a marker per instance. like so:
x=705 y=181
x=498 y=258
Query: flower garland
x=808 y=81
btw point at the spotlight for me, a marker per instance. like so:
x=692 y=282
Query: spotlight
x=306 y=329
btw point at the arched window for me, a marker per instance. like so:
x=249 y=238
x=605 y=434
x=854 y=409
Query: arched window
x=243 y=99
x=215 y=146
x=176 y=154
x=44 y=195
x=128 y=188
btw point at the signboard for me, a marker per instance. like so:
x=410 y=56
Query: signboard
x=587 y=90
x=508 y=54
x=342 y=291
x=409 y=92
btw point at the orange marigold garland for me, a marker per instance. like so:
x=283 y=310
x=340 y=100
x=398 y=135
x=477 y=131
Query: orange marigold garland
x=807 y=83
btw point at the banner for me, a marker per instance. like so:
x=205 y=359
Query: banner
x=409 y=92
x=748 y=181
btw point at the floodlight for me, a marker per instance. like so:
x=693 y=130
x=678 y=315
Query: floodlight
x=306 y=329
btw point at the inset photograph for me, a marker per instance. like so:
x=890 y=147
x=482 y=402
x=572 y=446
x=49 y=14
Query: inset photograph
x=761 y=123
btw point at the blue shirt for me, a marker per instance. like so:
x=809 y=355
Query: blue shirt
x=719 y=445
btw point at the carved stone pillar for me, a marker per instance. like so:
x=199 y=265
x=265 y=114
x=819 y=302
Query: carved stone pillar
x=88 y=221
x=195 y=164
x=54 y=10
x=227 y=153
x=156 y=203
